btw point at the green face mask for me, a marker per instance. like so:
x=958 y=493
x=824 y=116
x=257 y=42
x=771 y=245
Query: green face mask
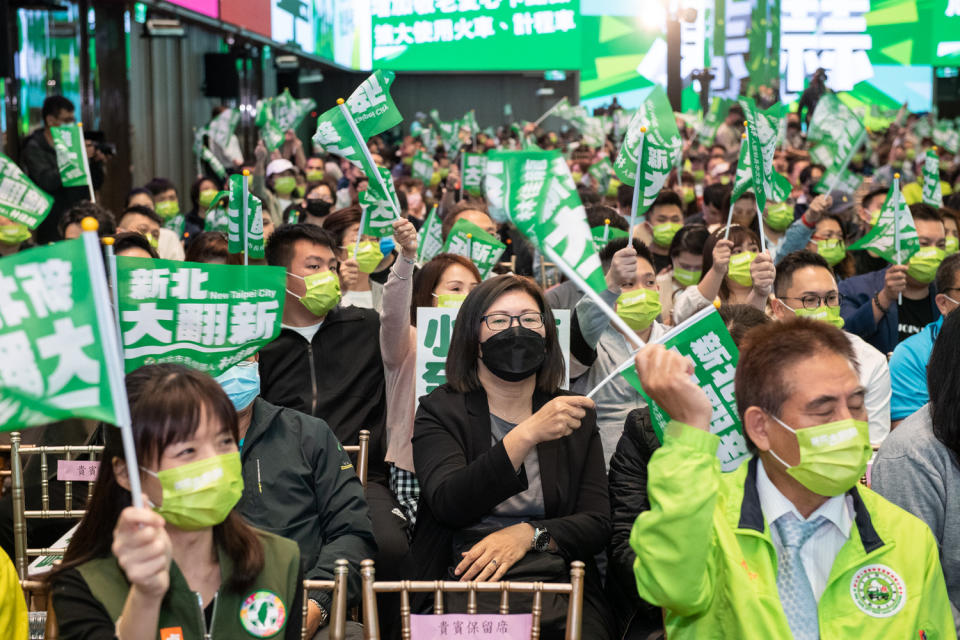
x=685 y=277
x=368 y=255
x=922 y=267
x=910 y=153
x=779 y=215
x=167 y=209
x=200 y=494
x=284 y=185
x=663 y=233
x=823 y=313
x=450 y=300
x=152 y=240
x=314 y=175
x=323 y=292
x=952 y=245
x=206 y=197
x=739 y=268
x=11 y=234
x=699 y=174
x=833 y=456
x=689 y=195
x=638 y=308
x=832 y=250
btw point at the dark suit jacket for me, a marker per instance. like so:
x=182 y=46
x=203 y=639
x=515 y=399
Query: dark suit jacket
x=462 y=478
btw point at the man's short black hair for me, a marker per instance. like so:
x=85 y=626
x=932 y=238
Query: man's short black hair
x=807 y=172
x=792 y=263
x=108 y=226
x=948 y=274
x=597 y=214
x=606 y=253
x=873 y=193
x=921 y=211
x=714 y=194
x=624 y=196
x=279 y=249
x=130 y=240
x=666 y=198
x=141 y=210
x=160 y=185
x=53 y=105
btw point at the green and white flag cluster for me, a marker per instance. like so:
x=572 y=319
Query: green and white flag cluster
x=430 y=237
x=59 y=350
x=535 y=191
x=237 y=213
x=373 y=111
x=20 y=199
x=218 y=131
x=455 y=133
x=276 y=115
x=835 y=132
x=705 y=341
x=206 y=316
x=761 y=142
x=932 y=194
x=422 y=167
x=894 y=224
x=602 y=172
x=654 y=149
x=469 y=240
x=593 y=129
x=716 y=114
x=71 y=155
x=473 y=165
x=946 y=135
x=378 y=209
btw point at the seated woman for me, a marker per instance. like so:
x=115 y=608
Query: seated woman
x=190 y=565
x=733 y=271
x=442 y=282
x=510 y=467
x=357 y=261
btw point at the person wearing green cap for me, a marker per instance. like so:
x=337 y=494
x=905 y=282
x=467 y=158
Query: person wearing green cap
x=806 y=286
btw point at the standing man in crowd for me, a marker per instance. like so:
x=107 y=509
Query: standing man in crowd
x=39 y=160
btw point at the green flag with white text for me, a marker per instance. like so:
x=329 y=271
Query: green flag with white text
x=535 y=191
x=235 y=215
x=371 y=105
x=602 y=172
x=840 y=131
x=422 y=167
x=71 y=155
x=59 y=352
x=473 y=164
x=882 y=238
x=430 y=237
x=467 y=239
x=704 y=340
x=207 y=316
x=378 y=215
x=932 y=194
x=20 y=199
x=603 y=234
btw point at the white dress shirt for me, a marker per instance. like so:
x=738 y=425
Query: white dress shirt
x=818 y=553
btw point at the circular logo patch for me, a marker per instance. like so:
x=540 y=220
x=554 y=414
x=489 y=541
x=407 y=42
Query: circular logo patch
x=878 y=591
x=262 y=614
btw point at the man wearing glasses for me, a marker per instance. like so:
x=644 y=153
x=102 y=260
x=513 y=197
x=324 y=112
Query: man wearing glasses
x=908 y=365
x=805 y=286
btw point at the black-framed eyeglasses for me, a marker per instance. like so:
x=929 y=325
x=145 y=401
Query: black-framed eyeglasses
x=812 y=300
x=502 y=321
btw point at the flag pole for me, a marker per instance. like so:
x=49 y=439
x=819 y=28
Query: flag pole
x=245 y=214
x=636 y=184
x=363 y=218
x=588 y=291
x=112 y=354
x=369 y=157
x=537 y=122
x=463 y=164
x=726 y=233
x=86 y=163
x=896 y=224
x=112 y=275
x=606 y=230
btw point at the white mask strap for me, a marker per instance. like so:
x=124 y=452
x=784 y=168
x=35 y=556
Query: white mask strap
x=774 y=453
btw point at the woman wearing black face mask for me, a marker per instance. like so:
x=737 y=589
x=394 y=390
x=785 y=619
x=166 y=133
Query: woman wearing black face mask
x=318 y=203
x=511 y=468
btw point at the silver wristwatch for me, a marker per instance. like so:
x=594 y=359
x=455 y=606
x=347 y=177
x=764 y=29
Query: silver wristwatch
x=541 y=539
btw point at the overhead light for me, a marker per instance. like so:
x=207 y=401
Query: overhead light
x=287 y=62
x=545 y=91
x=311 y=78
x=165 y=28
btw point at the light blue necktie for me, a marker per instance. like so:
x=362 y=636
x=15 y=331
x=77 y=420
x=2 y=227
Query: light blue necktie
x=796 y=595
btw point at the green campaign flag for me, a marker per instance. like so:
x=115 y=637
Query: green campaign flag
x=763 y=128
x=467 y=239
x=604 y=234
x=473 y=165
x=207 y=316
x=378 y=215
x=744 y=181
x=602 y=172
x=894 y=224
x=20 y=199
x=235 y=219
x=429 y=139
x=932 y=194
x=716 y=114
x=945 y=135
x=840 y=131
x=430 y=237
x=371 y=105
x=655 y=148
x=276 y=115
x=221 y=128
x=535 y=191
x=71 y=155
x=704 y=340
x=59 y=351
x=422 y=167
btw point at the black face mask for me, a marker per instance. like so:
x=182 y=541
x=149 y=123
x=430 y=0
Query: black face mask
x=317 y=207
x=514 y=354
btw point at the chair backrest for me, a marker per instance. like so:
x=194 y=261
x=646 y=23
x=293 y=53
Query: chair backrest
x=363 y=455
x=371 y=624
x=20 y=513
x=338 y=608
x=549 y=275
x=40 y=606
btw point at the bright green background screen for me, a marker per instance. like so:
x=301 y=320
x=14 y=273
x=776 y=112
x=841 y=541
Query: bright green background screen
x=490 y=37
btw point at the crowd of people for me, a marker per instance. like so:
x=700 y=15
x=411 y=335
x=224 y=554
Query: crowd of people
x=507 y=471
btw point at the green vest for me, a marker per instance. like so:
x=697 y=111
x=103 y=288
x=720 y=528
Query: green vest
x=261 y=611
